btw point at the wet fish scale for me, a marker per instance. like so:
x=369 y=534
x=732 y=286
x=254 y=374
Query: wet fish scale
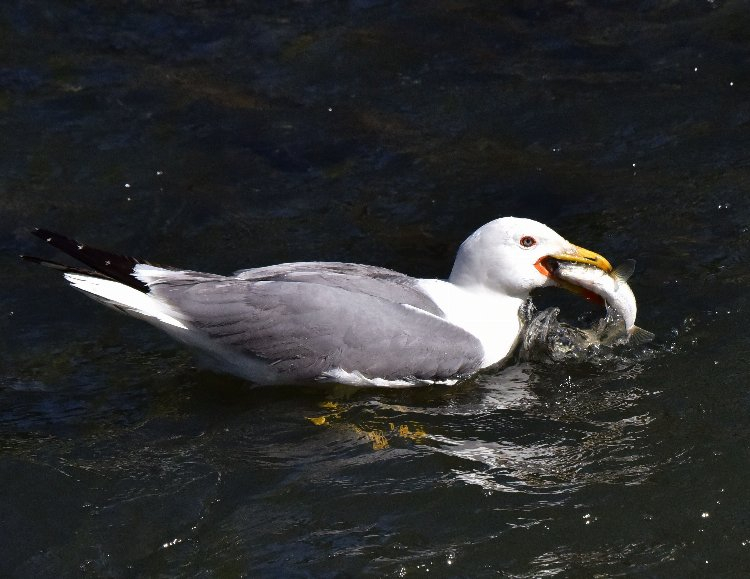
x=612 y=287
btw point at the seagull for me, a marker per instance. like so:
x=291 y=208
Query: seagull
x=306 y=322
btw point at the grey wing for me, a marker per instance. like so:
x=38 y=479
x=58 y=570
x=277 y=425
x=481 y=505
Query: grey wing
x=367 y=279
x=307 y=329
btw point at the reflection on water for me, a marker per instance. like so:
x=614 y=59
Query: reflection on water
x=511 y=435
x=515 y=430
x=546 y=434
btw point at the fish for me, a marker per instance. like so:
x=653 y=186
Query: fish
x=602 y=287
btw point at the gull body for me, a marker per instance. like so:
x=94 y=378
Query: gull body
x=327 y=321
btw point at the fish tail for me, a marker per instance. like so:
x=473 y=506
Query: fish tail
x=640 y=336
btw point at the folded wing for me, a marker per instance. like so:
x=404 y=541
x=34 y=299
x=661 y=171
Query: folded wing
x=306 y=329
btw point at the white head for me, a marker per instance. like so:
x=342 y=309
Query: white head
x=508 y=255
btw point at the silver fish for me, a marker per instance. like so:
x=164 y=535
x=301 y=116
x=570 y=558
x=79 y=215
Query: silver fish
x=611 y=287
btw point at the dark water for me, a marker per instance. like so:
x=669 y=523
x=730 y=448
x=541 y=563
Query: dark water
x=221 y=135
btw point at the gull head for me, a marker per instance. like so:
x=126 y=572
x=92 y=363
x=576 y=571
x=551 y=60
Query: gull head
x=513 y=256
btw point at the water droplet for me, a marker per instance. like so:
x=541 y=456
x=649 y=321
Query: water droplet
x=171 y=543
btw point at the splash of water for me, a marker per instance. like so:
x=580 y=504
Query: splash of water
x=546 y=338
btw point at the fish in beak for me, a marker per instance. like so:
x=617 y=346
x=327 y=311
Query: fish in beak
x=548 y=265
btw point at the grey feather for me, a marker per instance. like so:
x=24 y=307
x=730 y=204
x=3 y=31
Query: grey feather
x=367 y=279
x=306 y=328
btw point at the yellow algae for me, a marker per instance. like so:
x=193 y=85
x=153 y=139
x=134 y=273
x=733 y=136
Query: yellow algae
x=317 y=420
x=378 y=439
x=325 y=419
x=416 y=435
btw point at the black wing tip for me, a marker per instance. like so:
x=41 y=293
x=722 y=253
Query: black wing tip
x=104 y=263
x=31 y=258
x=60 y=266
x=43 y=233
x=57 y=240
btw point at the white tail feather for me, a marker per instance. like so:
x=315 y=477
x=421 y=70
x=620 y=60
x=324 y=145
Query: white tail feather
x=117 y=294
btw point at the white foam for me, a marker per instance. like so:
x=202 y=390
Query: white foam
x=356 y=378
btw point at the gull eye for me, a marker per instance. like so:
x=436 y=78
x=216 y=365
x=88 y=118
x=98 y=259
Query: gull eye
x=528 y=241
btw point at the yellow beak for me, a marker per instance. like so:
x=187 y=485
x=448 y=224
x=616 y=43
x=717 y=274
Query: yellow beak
x=577 y=255
x=581 y=255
